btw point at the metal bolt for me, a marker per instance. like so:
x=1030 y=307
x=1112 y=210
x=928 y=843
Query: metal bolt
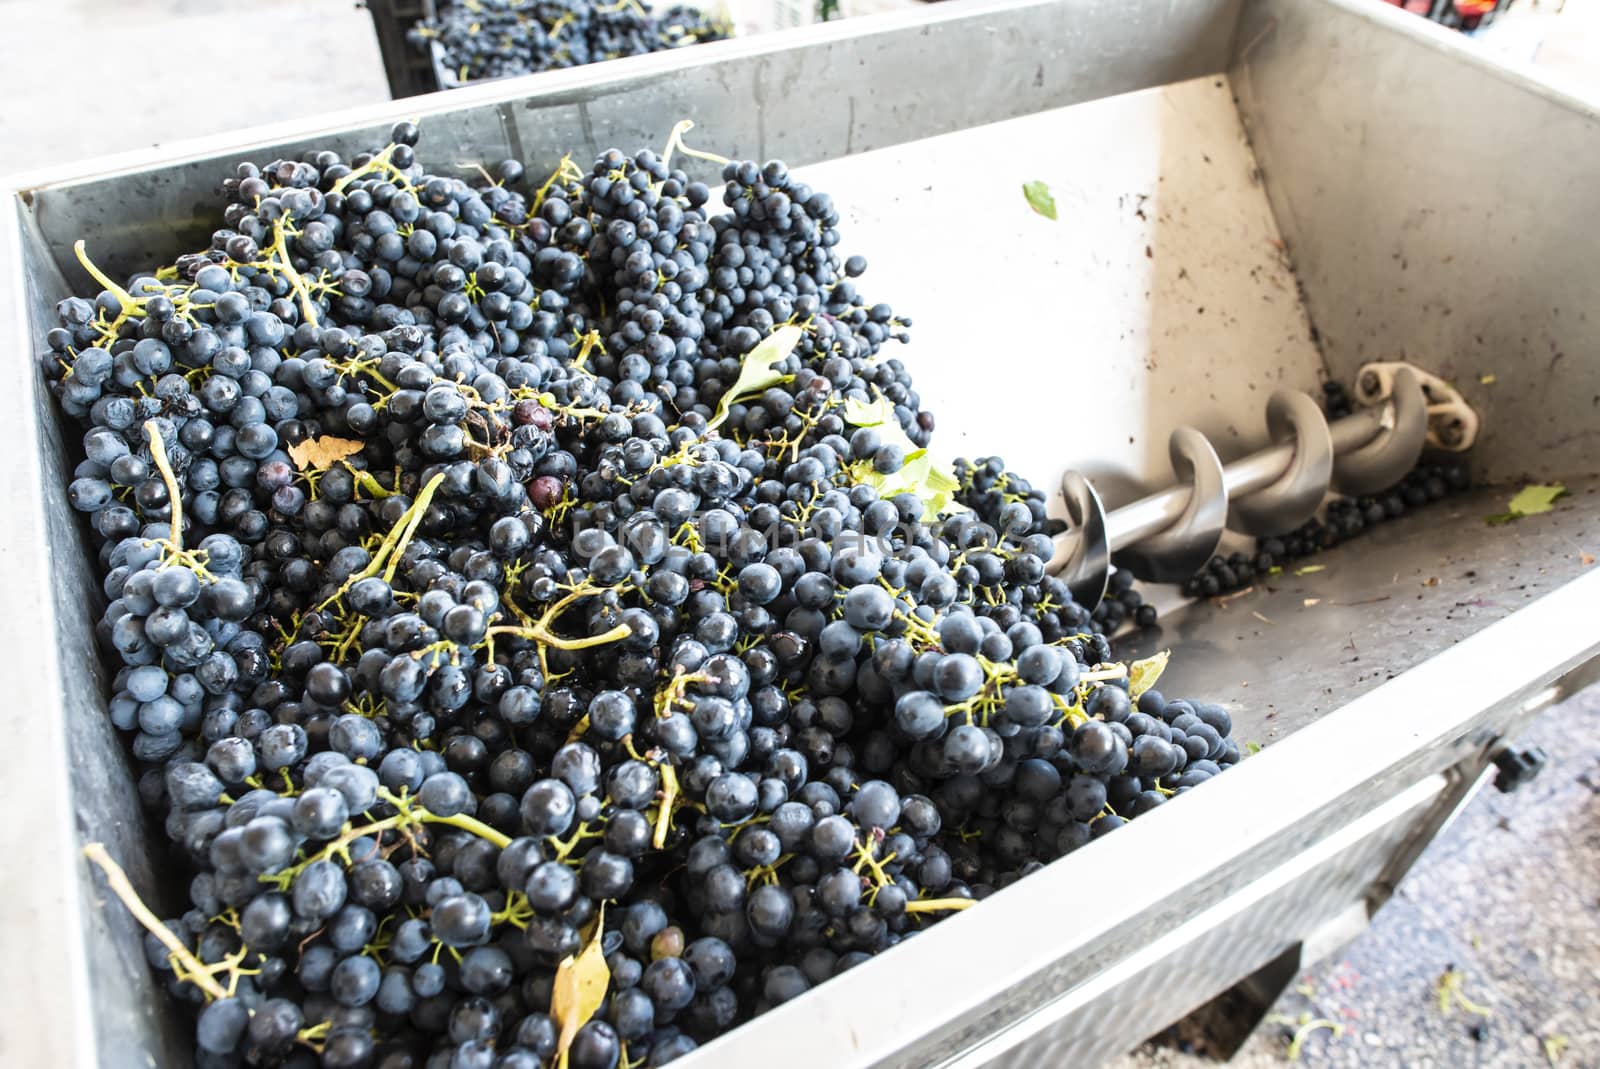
x=1517 y=767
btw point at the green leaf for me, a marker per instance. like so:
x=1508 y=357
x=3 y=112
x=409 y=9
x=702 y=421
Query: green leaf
x=1530 y=501
x=1039 y=198
x=942 y=487
x=879 y=416
x=1311 y=569
x=1142 y=675
x=1252 y=747
x=858 y=413
x=935 y=485
x=917 y=467
x=942 y=480
x=755 y=372
x=912 y=478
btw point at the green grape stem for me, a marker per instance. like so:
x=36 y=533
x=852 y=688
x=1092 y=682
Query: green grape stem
x=379 y=163
x=412 y=519
x=540 y=630
x=466 y=823
x=409 y=816
x=1297 y=1043
x=124 y=298
x=278 y=257
x=394 y=543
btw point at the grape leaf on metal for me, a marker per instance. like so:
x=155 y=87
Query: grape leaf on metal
x=1531 y=500
x=1039 y=198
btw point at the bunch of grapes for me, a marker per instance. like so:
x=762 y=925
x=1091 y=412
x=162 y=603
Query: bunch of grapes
x=541 y=628
x=505 y=38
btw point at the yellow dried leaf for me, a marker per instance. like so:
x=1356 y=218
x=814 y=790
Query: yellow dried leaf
x=1142 y=675
x=1585 y=559
x=580 y=987
x=321 y=452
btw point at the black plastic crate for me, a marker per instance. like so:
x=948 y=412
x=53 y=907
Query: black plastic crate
x=412 y=71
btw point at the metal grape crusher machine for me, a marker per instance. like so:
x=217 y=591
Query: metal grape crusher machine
x=1252 y=197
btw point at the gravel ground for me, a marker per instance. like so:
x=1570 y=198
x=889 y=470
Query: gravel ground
x=1508 y=895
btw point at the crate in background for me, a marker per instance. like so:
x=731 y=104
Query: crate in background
x=411 y=71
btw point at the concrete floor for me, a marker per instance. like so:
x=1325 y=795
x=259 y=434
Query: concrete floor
x=1509 y=895
x=85 y=78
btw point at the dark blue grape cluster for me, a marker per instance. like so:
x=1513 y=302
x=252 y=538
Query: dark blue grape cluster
x=505 y=38
x=511 y=578
x=1007 y=501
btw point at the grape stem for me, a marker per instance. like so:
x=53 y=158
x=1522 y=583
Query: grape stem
x=1297 y=1043
x=590 y=342
x=413 y=520
x=394 y=543
x=158 y=450
x=280 y=250
x=117 y=880
x=409 y=815
x=565 y=170
x=472 y=824
x=939 y=905
x=675 y=144
x=126 y=299
x=1116 y=671
x=669 y=796
x=537 y=633
x=380 y=162
x=540 y=630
